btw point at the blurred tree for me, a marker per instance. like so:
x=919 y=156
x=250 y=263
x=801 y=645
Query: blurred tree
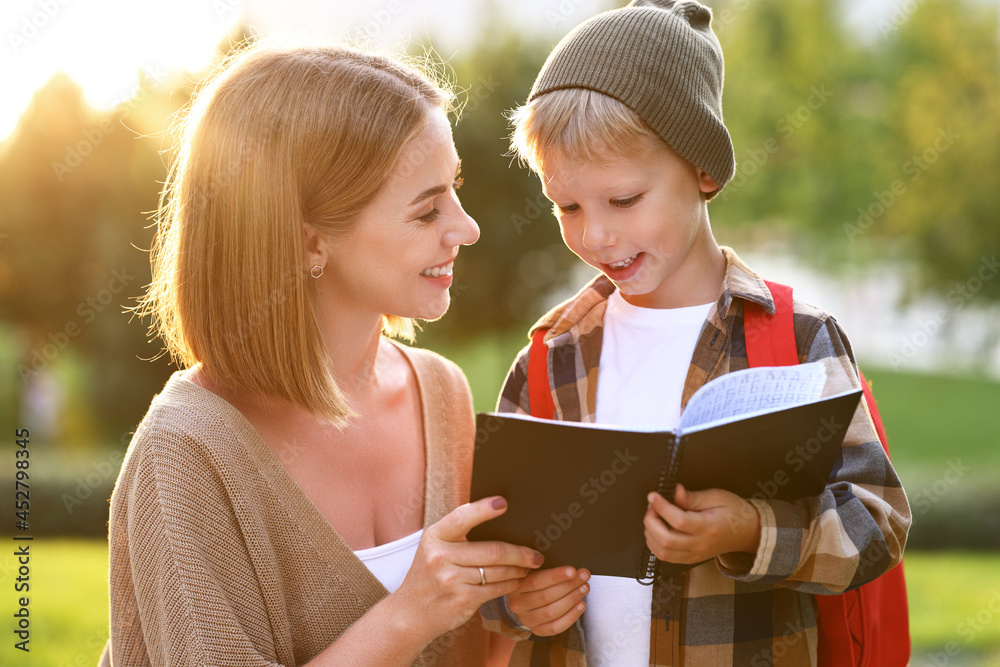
x=945 y=79
x=872 y=146
x=501 y=281
x=75 y=187
x=792 y=77
x=78 y=189
x=885 y=144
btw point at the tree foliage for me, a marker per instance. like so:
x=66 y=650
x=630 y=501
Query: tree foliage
x=887 y=143
x=881 y=144
x=76 y=189
x=503 y=279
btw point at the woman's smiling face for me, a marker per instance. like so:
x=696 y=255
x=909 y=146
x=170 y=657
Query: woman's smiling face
x=397 y=258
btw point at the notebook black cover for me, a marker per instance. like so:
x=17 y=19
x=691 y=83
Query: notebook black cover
x=578 y=493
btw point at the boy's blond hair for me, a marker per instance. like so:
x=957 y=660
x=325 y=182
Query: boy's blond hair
x=278 y=138
x=577 y=124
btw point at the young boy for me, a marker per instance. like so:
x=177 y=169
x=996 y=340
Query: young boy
x=624 y=127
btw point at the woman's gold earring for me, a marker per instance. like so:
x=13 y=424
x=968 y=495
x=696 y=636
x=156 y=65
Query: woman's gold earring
x=313 y=271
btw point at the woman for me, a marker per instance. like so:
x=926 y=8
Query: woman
x=295 y=496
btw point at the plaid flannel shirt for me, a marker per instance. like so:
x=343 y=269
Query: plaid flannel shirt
x=741 y=609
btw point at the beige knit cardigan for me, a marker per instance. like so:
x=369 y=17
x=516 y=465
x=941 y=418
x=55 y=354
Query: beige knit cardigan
x=217 y=557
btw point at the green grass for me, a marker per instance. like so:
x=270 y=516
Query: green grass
x=932 y=419
x=951 y=595
x=954 y=607
x=68 y=603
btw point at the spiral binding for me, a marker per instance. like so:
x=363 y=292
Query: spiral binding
x=666 y=486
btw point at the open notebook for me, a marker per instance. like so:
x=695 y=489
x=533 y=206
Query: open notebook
x=577 y=492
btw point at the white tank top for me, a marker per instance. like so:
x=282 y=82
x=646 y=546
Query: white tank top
x=391 y=561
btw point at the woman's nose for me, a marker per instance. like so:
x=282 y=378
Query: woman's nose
x=463 y=231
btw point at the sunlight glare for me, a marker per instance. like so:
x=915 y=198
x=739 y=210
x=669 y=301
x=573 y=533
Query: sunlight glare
x=103 y=45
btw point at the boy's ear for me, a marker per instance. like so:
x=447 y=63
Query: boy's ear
x=707 y=185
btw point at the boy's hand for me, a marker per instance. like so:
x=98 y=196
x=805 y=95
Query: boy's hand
x=699 y=525
x=549 y=601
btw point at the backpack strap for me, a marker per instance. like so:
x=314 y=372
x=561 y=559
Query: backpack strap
x=539 y=394
x=770 y=339
x=866 y=388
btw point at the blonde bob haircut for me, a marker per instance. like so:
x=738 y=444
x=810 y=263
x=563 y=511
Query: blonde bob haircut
x=278 y=137
x=577 y=124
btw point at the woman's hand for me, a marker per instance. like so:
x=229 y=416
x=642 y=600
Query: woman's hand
x=549 y=601
x=700 y=525
x=444 y=587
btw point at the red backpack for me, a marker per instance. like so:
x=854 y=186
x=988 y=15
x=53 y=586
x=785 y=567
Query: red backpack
x=865 y=627
x=870 y=625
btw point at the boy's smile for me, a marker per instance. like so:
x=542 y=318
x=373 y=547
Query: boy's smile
x=642 y=220
x=624 y=270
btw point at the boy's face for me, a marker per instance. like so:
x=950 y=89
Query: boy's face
x=642 y=220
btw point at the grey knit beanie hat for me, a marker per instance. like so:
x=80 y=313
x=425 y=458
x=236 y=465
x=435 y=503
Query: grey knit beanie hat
x=661 y=59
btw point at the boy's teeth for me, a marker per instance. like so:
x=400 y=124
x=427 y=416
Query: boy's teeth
x=625 y=262
x=438 y=271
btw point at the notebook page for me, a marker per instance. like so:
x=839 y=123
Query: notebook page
x=753 y=391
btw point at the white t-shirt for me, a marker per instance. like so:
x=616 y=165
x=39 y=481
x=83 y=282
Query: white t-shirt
x=645 y=356
x=391 y=561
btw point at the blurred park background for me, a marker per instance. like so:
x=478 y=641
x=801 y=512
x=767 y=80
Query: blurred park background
x=868 y=147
